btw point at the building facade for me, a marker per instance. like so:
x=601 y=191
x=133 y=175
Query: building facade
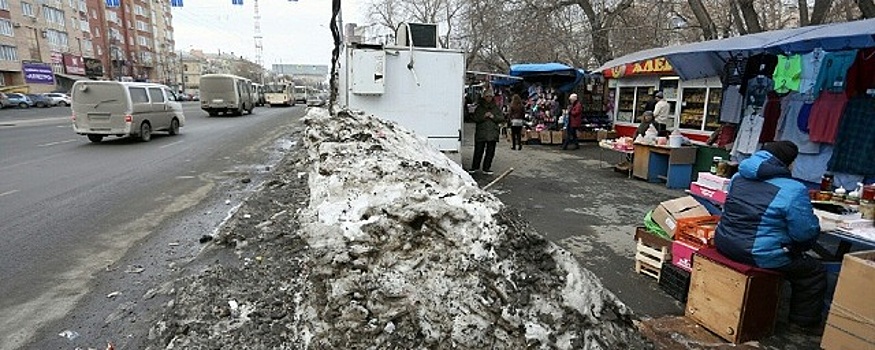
x=46 y=45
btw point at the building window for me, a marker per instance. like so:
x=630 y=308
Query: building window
x=53 y=15
x=83 y=7
x=93 y=14
x=8 y=53
x=6 y=28
x=139 y=10
x=27 y=9
x=4 y=5
x=57 y=39
x=143 y=26
x=83 y=24
x=111 y=17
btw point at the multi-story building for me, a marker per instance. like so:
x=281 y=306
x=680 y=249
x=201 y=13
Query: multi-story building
x=46 y=45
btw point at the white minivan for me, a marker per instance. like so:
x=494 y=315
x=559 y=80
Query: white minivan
x=103 y=108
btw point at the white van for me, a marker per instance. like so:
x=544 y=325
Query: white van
x=103 y=108
x=226 y=94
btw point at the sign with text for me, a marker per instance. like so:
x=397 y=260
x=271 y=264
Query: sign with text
x=93 y=67
x=38 y=73
x=652 y=66
x=73 y=64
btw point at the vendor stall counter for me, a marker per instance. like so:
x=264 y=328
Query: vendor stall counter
x=674 y=165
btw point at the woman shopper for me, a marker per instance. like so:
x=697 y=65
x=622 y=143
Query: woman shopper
x=488 y=118
x=517 y=118
x=575 y=119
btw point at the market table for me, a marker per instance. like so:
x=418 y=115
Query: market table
x=846 y=241
x=625 y=156
x=655 y=163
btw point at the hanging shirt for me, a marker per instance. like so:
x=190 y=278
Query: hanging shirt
x=811 y=167
x=811 y=63
x=732 y=105
x=791 y=106
x=861 y=75
x=758 y=89
x=855 y=144
x=733 y=72
x=759 y=64
x=823 y=124
x=834 y=71
x=771 y=114
x=749 y=131
x=788 y=73
x=804 y=115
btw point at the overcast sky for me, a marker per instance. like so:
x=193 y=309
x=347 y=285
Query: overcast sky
x=293 y=32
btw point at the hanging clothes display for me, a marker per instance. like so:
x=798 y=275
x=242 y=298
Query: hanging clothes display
x=788 y=129
x=855 y=145
x=732 y=105
x=811 y=63
x=748 y=138
x=861 y=75
x=733 y=71
x=811 y=167
x=823 y=124
x=758 y=89
x=788 y=73
x=833 y=71
x=771 y=114
x=760 y=64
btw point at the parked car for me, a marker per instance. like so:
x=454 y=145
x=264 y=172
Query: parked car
x=40 y=101
x=58 y=99
x=104 y=108
x=20 y=100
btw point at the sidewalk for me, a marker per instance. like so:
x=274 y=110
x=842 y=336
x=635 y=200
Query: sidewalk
x=579 y=202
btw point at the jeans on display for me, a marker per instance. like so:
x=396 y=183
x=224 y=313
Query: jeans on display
x=570 y=138
x=516 y=136
x=479 y=148
x=807 y=278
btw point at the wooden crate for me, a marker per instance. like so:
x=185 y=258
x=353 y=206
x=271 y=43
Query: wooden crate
x=736 y=306
x=556 y=137
x=545 y=137
x=649 y=259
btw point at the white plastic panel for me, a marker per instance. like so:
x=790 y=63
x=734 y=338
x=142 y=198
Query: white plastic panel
x=368 y=72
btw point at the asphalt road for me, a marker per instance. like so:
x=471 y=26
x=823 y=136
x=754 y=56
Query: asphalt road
x=71 y=209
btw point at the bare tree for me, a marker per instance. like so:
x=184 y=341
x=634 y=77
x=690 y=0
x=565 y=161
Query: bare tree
x=709 y=30
x=867 y=7
x=821 y=9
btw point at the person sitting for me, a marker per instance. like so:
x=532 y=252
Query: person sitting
x=768 y=222
x=646 y=122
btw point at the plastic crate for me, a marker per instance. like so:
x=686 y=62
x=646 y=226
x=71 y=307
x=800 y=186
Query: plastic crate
x=697 y=231
x=675 y=282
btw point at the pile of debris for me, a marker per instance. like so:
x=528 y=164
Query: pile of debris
x=396 y=247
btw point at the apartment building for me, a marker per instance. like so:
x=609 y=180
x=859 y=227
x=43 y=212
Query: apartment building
x=46 y=45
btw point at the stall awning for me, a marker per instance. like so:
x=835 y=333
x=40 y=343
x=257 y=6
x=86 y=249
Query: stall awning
x=564 y=77
x=71 y=77
x=706 y=58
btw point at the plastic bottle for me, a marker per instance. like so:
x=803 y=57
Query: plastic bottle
x=715 y=162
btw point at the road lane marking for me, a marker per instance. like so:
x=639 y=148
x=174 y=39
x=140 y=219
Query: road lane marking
x=8 y=193
x=57 y=143
x=171 y=144
x=185 y=177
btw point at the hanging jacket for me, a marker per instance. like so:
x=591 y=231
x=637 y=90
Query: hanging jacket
x=767 y=217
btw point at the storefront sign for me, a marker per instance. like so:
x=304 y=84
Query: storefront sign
x=38 y=73
x=57 y=57
x=73 y=64
x=651 y=66
x=93 y=67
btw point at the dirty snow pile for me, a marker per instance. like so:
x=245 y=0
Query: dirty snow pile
x=406 y=251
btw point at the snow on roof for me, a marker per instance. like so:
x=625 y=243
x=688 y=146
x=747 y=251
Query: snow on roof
x=408 y=252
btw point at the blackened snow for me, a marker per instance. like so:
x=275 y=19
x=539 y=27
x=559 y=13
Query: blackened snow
x=368 y=238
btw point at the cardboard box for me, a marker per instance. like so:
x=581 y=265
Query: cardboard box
x=557 y=137
x=667 y=213
x=716 y=196
x=848 y=325
x=713 y=181
x=606 y=135
x=545 y=137
x=682 y=255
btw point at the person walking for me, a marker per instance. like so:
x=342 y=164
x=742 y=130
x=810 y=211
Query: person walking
x=517 y=118
x=488 y=118
x=575 y=119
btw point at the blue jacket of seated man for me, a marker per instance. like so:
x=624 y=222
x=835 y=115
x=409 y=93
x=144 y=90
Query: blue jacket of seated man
x=767 y=217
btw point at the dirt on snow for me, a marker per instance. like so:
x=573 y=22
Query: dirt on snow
x=366 y=237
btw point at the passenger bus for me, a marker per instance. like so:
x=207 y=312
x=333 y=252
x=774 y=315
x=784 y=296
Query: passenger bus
x=279 y=94
x=226 y=94
x=259 y=98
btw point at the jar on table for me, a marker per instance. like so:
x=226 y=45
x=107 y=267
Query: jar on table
x=723 y=169
x=826 y=182
x=715 y=162
x=867 y=209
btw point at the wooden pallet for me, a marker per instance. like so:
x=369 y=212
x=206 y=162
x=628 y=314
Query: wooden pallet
x=649 y=259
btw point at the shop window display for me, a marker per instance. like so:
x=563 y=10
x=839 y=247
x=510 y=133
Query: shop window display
x=700 y=109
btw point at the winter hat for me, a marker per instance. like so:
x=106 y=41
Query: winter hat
x=488 y=92
x=785 y=151
x=658 y=94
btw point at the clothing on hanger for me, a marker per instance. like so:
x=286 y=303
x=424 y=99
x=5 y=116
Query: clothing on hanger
x=834 y=71
x=861 y=75
x=855 y=144
x=811 y=63
x=788 y=73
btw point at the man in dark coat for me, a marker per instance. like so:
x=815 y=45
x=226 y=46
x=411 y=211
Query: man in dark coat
x=488 y=118
x=768 y=222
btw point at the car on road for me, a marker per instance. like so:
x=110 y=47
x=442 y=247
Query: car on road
x=4 y=100
x=58 y=99
x=104 y=108
x=18 y=100
x=40 y=101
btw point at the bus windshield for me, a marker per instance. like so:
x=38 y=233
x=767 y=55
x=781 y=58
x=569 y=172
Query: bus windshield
x=275 y=88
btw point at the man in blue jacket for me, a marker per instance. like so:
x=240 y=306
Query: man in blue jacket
x=768 y=222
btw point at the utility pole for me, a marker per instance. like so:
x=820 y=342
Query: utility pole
x=181 y=73
x=258 y=45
